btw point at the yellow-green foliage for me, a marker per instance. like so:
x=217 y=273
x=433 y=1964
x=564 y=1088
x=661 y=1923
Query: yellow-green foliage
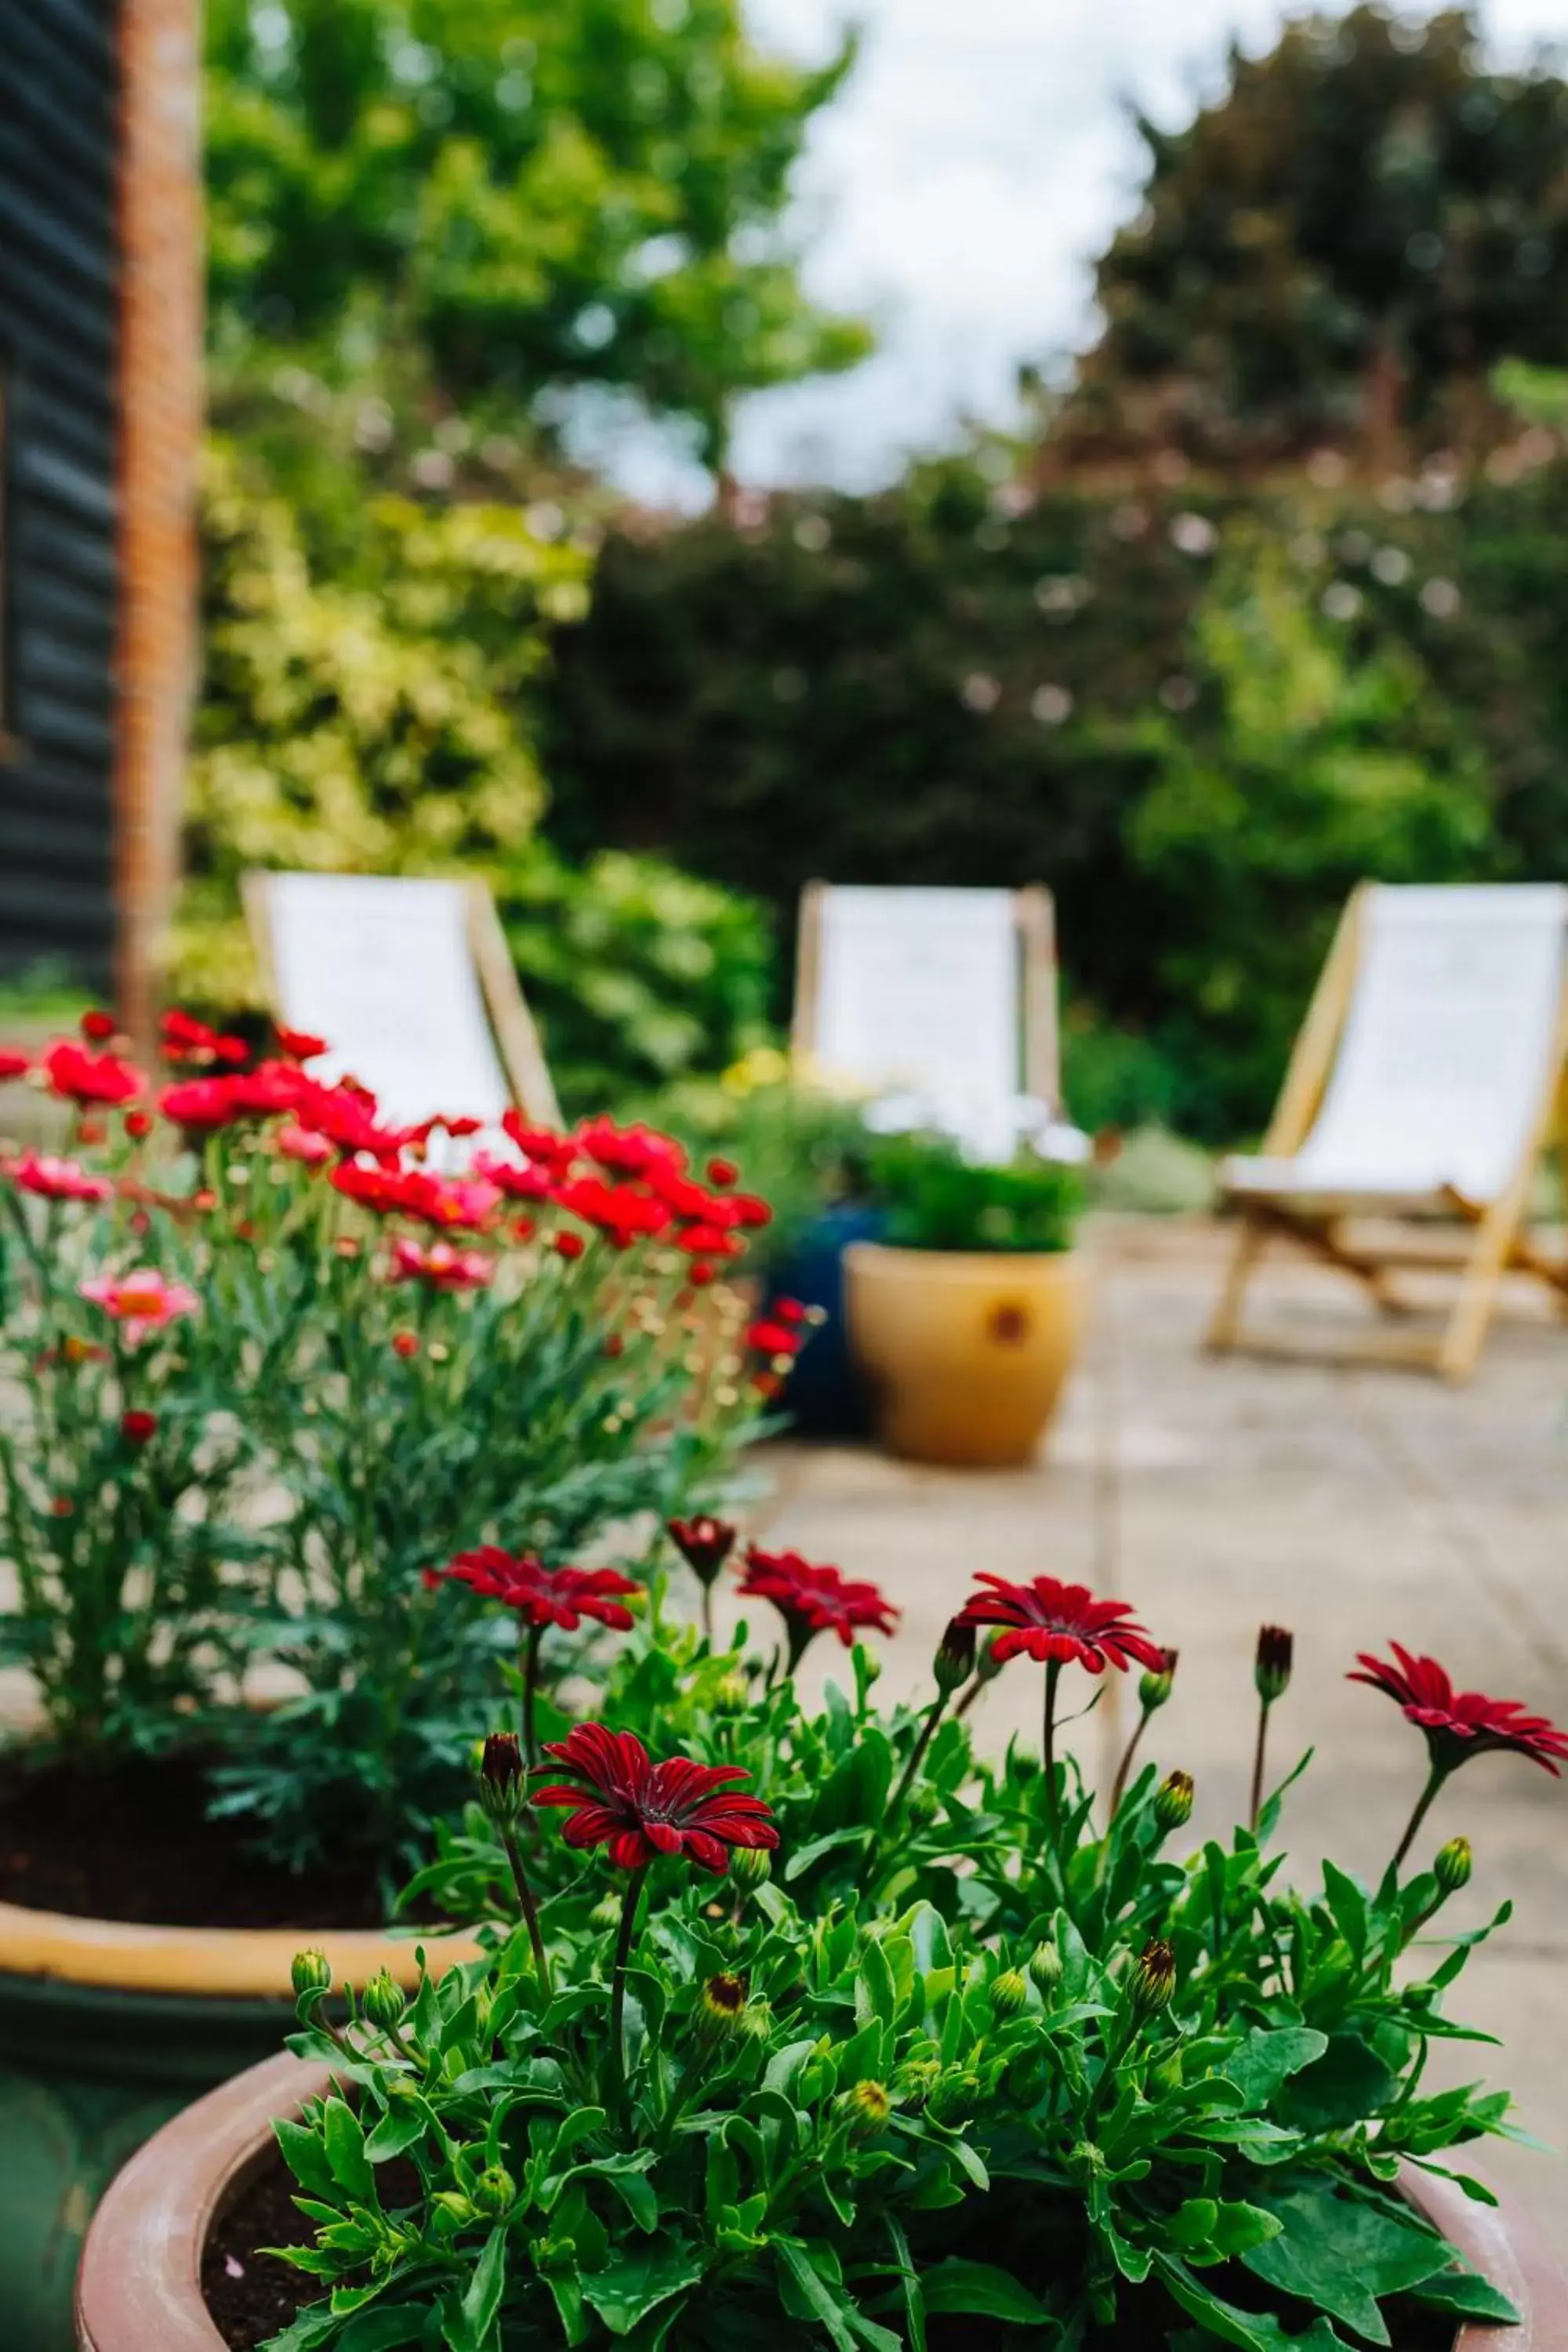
x=380 y=722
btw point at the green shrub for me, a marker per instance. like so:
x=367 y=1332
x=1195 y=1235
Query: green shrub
x=935 y=1200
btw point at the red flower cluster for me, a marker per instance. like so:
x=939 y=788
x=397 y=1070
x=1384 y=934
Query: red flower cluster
x=80 y=1076
x=639 y=1810
x=185 y=1039
x=1459 y=1725
x=544 y=1596
x=56 y=1179
x=454 y=1203
x=813 y=1599
x=1060 y=1624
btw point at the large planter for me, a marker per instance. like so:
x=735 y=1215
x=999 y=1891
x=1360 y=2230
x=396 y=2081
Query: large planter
x=106 y=2031
x=965 y=1351
x=139 y=2287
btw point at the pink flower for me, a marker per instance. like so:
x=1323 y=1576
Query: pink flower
x=299 y=1143
x=441 y=1266
x=142 y=1301
x=56 y=1179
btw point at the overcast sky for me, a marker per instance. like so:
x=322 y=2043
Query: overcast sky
x=957 y=191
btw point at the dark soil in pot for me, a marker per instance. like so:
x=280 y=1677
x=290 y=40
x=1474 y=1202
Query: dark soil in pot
x=252 y=2297
x=136 y=1844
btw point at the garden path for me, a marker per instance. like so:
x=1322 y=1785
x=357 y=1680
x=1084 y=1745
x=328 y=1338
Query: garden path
x=1355 y=1506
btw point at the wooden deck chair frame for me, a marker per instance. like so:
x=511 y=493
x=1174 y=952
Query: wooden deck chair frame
x=1496 y=1243
x=512 y=1025
x=1035 y=922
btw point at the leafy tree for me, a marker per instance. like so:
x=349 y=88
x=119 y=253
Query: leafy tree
x=517 y=198
x=1339 y=248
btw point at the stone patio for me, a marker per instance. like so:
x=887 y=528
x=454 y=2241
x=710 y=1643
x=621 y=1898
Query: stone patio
x=1353 y=1506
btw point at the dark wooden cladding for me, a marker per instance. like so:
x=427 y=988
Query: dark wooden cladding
x=58 y=340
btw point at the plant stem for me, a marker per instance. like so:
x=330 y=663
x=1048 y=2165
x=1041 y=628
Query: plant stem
x=619 y=1986
x=1118 y=1785
x=530 y=1908
x=708 y=1613
x=1435 y=1780
x=1049 y=1747
x=917 y=1758
x=1257 y=1763
x=531 y=1692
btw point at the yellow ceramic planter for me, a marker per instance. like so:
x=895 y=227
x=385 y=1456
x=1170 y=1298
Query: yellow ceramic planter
x=965 y=1351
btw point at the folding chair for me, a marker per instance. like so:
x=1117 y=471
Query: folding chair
x=1425 y=1082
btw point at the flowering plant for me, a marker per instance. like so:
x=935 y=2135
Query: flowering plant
x=936 y=1200
x=270 y=1371
x=864 y=2039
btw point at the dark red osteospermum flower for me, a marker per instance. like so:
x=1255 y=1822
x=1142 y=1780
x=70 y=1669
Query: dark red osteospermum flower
x=98 y=1028
x=1459 y=1723
x=704 y=1543
x=545 y=1596
x=1060 y=1623
x=814 y=1600
x=639 y=1810
x=85 y=1078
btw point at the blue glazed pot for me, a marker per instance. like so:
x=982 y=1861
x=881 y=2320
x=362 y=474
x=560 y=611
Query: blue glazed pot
x=825 y=1393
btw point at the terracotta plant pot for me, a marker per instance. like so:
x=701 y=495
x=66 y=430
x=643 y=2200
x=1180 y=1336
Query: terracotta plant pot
x=965 y=1352
x=139 y=2287
x=106 y=2031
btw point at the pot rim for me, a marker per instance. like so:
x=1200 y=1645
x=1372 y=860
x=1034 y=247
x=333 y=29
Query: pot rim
x=245 y=1963
x=138 y=2288
x=955 y=1266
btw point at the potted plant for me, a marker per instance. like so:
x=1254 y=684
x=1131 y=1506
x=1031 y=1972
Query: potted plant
x=866 y=2042
x=966 y=1317
x=264 y=1373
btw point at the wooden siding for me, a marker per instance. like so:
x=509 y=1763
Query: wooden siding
x=58 y=344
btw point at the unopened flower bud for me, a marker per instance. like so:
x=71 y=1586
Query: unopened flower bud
x=1154 y=1687
x=606 y=1913
x=1009 y=1994
x=1045 y=1968
x=1154 y=1978
x=817 y=2075
x=988 y=1665
x=1173 y=1802
x=311 y=1972
x=866 y=2107
x=955 y=1660
x=751 y=1866
x=722 y=2003
x=382 y=2002
x=704 y=1543
x=953 y=2098
x=756 y=2020
x=548 y=2253
x=1271 y=1668
x=503 y=1784
x=732 y=1695
x=495 y=2191
x=1452 y=1865
x=913 y=2081
x=452 y=2201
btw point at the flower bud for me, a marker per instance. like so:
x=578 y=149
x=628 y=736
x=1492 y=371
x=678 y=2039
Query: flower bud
x=495 y=2191
x=955 y=1660
x=732 y=1695
x=1271 y=1667
x=1045 y=1968
x=722 y=2003
x=503 y=1784
x=866 y=2107
x=817 y=2075
x=988 y=1665
x=1173 y=1802
x=953 y=2098
x=1452 y=1865
x=453 y=2202
x=751 y=1866
x=1009 y=1994
x=382 y=2003
x=913 y=2081
x=756 y=2020
x=1154 y=1978
x=704 y=1543
x=548 y=2253
x=606 y=1913
x=311 y=1972
x=1154 y=1687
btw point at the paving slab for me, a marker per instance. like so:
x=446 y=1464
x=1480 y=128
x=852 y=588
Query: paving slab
x=1355 y=1506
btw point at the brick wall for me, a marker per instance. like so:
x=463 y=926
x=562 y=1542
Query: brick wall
x=160 y=428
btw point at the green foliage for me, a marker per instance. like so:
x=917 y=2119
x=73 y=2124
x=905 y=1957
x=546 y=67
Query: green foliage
x=936 y=1200
x=512 y=200
x=936 y=2085
x=1343 y=244
x=640 y=975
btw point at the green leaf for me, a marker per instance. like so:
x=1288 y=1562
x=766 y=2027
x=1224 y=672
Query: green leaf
x=1339 y=2252
x=1346 y=2084
x=393 y=2134
x=343 y=2140
x=1252 y=2331
x=634 y=2279
x=983 y=2291
x=910 y=2285
x=1347 y=1906
x=1265 y=2060
x=801 y=1861
x=306 y=2158
x=383 y=2330
x=875 y=1997
x=1467 y=2295
x=481 y=2297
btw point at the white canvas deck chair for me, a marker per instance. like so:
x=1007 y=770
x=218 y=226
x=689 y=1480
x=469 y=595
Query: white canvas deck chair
x=1427 y=1079
x=948 y=997
x=412 y=985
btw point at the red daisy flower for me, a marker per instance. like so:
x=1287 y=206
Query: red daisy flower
x=14 y=1061
x=704 y=1543
x=1459 y=1723
x=85 y=1078
x=299 y=1044
x=639 y=1810
x=544 y=1596
x=1053 y=1622
x=814 y=1600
